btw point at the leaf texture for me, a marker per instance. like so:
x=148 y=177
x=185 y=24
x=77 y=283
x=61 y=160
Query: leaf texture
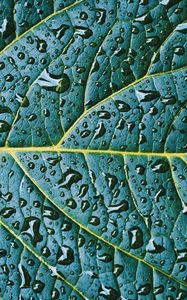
x=16 y=17
x=93 y=140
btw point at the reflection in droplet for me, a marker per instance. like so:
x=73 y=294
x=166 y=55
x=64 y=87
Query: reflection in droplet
x=65 y=255
x=31 y=228
x=136 y=237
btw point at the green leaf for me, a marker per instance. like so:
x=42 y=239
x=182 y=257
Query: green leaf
x=18 y=17
x=93 y=162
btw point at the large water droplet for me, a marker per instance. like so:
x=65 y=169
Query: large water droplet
x=50 y=213
x=118 y=208
x=155 y=245
x=100 y=16
x=144 y=289
x=182 y=28
x=60 y=31
x=111 y=180
x=65 y=255
x=84 y=32
x=4 y=126
x=38 y=286
x=160 y=166
x=54 y=160
x=25 y=277
x=144 y=19
x=136 y=237
x=7 y=212
x=122 y=106
x=41 y=45
x=57 y=83
x=99 y=131
x=146 y=95
x=69 y=177
x=31 y=228
x=108 y=292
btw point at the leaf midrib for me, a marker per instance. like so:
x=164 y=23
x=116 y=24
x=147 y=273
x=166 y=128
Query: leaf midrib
x=92 y=232
x=59 y=148
x=14 y=150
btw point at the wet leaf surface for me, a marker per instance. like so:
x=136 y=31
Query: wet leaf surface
x=93 y=156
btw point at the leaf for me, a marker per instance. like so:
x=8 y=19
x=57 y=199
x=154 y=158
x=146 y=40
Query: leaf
x=93 y=156
x=148 y=116
x=18 y=17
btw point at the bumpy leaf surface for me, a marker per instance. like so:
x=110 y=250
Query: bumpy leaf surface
x=93 y=149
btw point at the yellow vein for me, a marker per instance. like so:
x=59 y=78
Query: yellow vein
x=161 y=46
x=113 y=95
x=39 y=23
x=12 y=150
x=51 y=268
x=90 y=231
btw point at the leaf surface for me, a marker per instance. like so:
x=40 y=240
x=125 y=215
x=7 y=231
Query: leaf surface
x=93 y=163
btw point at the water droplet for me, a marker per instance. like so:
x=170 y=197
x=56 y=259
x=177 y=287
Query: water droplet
x=118 y=208
x=168 y=100
x=41 y=45
x=83 y=15
x=140 y=169
x=161 y=192
x=7 y=212
x=169 y=3
x=50 y=213
x=158 y=290
x=146 y=95
x=105 y=257
x=54 y=160
x=179 y=50
x=83 y=190
x=155 y=245
x=46 y=252
x=136 y=237
x=85 y=133
x=108 y=293
x=144 y=289
x=4 y=126
x=3 y=253
x=160 y=166
x=71 y=203
x=111 y=180
x=38 y=286
x=57 y=83
x=65 y=255
x=153 y=41
x=5 y=109
x=118 y=269
x=31 y=228
x=69 y=177
x=144 y=19
x=182 y=256
x=94 y=221
x=99 y=131
x=7 y=197
x=32 y=117
x=100 y=16
x=85 y=205
x=55 y=294
x=182 y=28
x=25 y=277
x=104 y=114
x=84 y=32
x=60 y=31
x=122 y=106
